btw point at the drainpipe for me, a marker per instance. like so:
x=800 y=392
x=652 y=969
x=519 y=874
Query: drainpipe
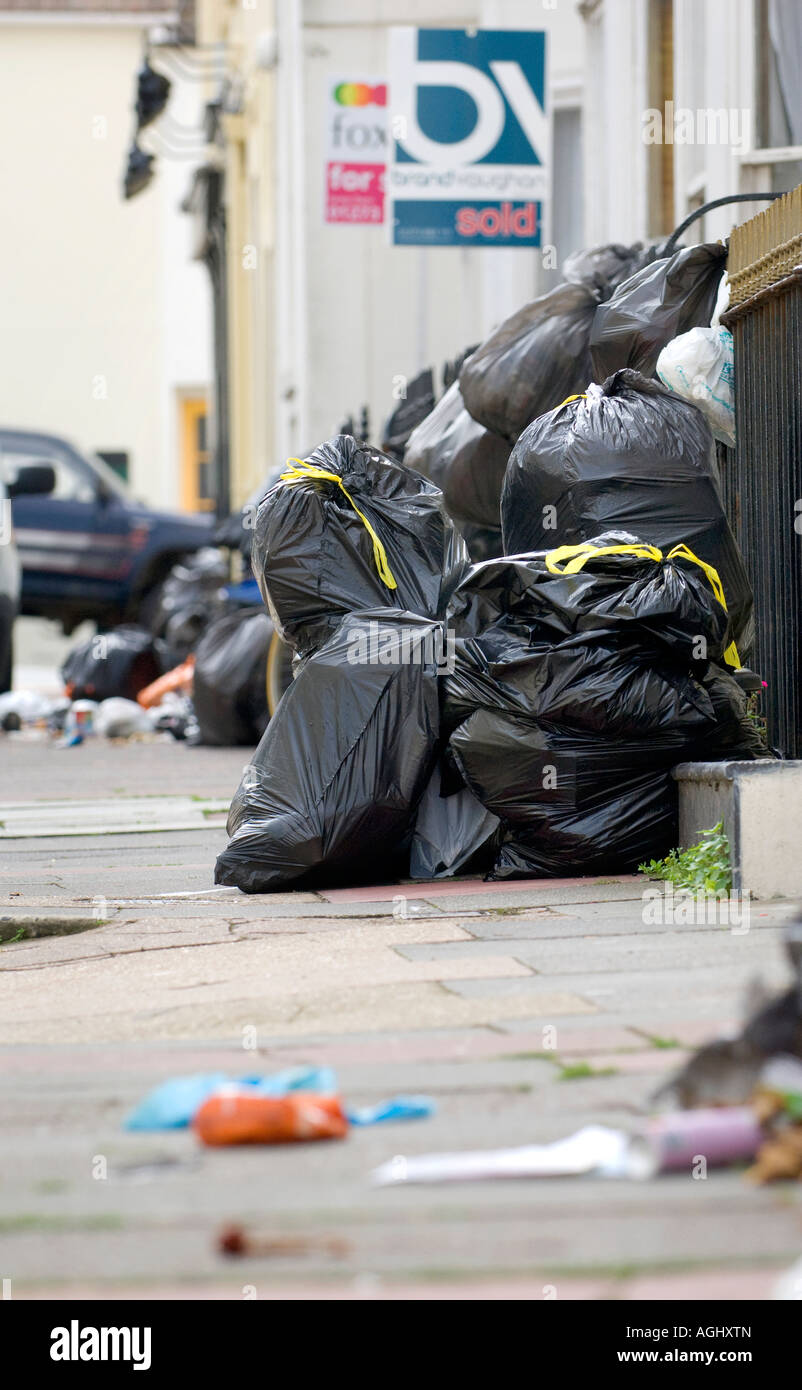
x=291 y=320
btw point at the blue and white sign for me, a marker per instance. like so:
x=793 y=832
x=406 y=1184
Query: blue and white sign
x=470 y=136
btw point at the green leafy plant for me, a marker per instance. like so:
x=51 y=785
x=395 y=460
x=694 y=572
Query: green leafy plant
x=704 y=868
x=9 y=940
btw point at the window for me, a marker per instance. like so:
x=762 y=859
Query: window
x=73 y=484
x=779 y=95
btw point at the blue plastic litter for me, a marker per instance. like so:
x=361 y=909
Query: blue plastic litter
x=397 y=1108
x=173 y=1104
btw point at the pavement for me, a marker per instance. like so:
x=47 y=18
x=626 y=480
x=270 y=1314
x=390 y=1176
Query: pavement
x=525 y=1010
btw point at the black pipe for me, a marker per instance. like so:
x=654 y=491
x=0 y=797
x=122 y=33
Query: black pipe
x=671 y=244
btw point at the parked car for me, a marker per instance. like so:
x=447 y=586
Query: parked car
x=29 y=480
x=89 y=549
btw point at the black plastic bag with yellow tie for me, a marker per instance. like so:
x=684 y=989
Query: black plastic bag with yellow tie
x=349 y=529
x=331 y=792
x=580 y=678
x=628 y=455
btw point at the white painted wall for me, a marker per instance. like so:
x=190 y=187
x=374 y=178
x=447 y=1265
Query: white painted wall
x=94 y=287
x=714 y=67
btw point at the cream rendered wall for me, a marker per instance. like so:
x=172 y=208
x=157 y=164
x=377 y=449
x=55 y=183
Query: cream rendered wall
x=103 y=314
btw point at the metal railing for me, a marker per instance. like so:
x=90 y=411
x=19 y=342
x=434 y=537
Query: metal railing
x=764 y=483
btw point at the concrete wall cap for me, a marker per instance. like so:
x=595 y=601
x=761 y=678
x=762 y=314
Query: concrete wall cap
x=728 y=771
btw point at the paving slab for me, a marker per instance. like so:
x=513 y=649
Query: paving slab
x=526 y=1010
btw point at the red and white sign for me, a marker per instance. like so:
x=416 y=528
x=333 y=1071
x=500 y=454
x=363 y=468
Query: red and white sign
x=356 y=150
x=354 y=192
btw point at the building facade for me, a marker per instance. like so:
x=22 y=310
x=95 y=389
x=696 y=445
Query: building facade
x=106 y=319
x=723 y=78
x=323 y=321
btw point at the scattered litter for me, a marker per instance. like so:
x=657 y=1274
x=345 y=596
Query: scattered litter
x=593 y=1150
x=777 y=1101
x=219 y=1107
x=755 y=1081
x=397 y=1108
x=119 y=718
x=665 y=1144
x=79 y=723
x=177 y=681
x=730 y=1134
x=237 y=1241
x=18 y=707
x=175 y=714
x=173 y=1104
x=236 y=1115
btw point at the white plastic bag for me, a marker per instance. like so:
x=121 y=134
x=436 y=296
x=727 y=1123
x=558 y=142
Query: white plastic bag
x=119 y=718
x=699 y=366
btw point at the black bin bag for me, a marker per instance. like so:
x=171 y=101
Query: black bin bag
x=483 y=542
x=415 y=406
x=605 y=267
x=654 y=305
x=120 y=662
x=572 y=695
x=532 y=361
x=631 y=456
x=334 y=785
x=466 y=461
x=229 y=689
x=349 y=529
x=192 y=595
x=570 y=804
x=454 y=833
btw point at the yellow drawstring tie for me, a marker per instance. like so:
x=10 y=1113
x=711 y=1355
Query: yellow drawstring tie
x=303 y=470
x=583 y=395
x=577 y=555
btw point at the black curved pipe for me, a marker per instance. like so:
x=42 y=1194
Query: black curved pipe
x=670 y=245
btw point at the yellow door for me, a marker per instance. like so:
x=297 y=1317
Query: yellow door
x=197 y=484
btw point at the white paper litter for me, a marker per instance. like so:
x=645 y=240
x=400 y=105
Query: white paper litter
x=594 y=1149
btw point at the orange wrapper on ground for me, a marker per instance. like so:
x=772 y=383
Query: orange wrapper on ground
x=179 y=679
x=242 y=1119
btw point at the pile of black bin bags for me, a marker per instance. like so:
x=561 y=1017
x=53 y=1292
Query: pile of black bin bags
x=617 y=307
x=573 y=695
x=627 y=455
x=357 y=561
x=520 y=716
